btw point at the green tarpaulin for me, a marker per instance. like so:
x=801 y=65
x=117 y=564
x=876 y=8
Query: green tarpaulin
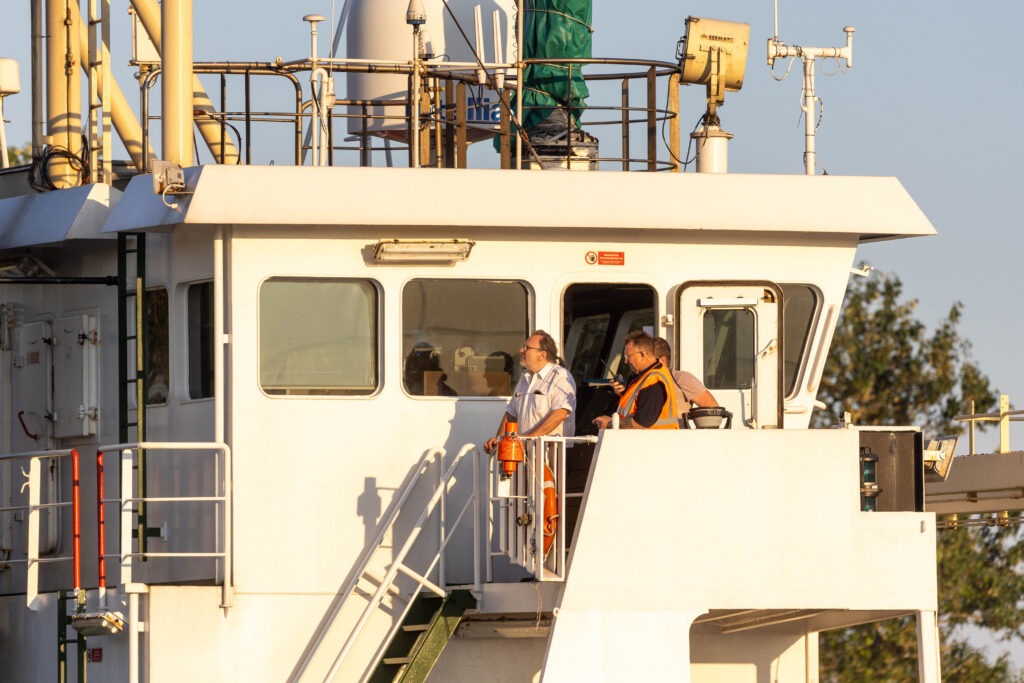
x=555 y=29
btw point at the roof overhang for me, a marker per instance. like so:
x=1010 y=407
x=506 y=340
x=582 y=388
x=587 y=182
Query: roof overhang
x=864 y=208
x=54 y=217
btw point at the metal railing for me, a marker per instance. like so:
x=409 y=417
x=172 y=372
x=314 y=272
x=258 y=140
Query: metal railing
x=1004 y=416
x=129 y=501
x=451 y=112
x=386 y=585
x=35 y=506
x=520 y=527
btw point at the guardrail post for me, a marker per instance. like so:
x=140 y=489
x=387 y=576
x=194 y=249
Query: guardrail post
x=126 y=516
x=32 y=567
x=1004 y=424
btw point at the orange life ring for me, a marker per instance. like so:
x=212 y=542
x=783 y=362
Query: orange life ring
x=550 y=509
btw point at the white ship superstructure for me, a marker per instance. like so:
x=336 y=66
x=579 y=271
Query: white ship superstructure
x=243 y=405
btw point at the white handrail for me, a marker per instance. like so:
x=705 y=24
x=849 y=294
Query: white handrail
x=397 y=561
x=386 y=585
x=35 y=505
x=129 y=501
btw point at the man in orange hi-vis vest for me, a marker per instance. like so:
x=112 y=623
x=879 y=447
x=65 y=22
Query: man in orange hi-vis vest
x=649 y=400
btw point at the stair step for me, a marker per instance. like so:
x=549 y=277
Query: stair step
x=397 y=661
x=415 y=628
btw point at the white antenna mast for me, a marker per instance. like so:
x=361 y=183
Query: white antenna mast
x=778 y=49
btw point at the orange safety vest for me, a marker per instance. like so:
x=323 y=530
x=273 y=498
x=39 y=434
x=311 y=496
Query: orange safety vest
x=668 y=419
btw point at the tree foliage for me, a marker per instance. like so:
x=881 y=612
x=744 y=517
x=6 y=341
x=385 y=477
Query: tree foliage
x=886 y=367
x=19 y=156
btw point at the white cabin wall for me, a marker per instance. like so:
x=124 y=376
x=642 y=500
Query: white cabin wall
x=318 y=472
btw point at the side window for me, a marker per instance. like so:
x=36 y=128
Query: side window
x=729 y=348
x=199 y=302
x=319 y=337
x=157 y=370
x=462 y=337
x=799 y=306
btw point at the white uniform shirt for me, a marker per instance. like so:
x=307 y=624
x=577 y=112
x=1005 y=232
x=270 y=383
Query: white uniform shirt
x=538 y=393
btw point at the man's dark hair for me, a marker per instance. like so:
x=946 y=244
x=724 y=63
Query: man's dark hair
x=641 y=341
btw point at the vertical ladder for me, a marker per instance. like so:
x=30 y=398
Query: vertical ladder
x=63 y=623
x=130 y=379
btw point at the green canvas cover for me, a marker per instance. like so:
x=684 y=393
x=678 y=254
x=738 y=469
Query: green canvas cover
x=555 y=29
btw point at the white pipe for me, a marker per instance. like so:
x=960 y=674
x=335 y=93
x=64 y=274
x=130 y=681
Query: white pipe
x=4 y=161
x=414 y=122
x=809 y=116
x=176 y=90
x=37 y=80
x=133 y=637
x=519 y=82
x=478 y=24
x=499 y=74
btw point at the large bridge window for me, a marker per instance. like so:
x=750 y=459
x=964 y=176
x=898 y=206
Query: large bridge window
x=462 y=337
x=318 y=337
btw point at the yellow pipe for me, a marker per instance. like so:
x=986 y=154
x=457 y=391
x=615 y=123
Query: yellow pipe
x=64 y=89
x=149 y=14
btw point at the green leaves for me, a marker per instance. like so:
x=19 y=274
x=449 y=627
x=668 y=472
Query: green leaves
x=887 y=368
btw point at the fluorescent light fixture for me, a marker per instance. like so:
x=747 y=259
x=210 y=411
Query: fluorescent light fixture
x=422 y=251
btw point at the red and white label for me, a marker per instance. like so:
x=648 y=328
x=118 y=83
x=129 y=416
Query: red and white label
x=605 y=258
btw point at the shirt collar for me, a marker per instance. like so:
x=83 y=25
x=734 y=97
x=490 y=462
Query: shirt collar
x=544 y=371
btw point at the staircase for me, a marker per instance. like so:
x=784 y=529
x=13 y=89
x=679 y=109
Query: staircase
x=392 y=620
x=419 y=642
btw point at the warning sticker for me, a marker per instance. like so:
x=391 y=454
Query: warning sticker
x=611 y=258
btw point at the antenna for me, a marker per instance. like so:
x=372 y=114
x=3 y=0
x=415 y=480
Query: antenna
x=777 y=49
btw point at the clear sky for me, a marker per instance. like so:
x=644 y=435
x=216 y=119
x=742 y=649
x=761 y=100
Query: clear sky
x=934 y=98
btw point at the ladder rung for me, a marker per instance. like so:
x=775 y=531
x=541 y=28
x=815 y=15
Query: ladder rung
x=415 y=628
x=397 y=660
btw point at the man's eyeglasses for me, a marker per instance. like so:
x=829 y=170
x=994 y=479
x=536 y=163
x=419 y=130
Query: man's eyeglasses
x=627 y=355
x=524 y=347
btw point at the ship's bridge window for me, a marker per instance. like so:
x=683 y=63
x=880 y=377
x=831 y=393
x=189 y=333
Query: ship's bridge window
x=462 y=337
x=319 y=337
x=799 y=307
x=200 y=340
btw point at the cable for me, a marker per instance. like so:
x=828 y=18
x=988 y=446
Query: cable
x=511 y=114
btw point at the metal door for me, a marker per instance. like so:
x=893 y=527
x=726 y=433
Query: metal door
x=730 y=335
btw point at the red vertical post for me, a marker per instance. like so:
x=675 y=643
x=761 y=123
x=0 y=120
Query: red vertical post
x=76 y=507
x=102 y=537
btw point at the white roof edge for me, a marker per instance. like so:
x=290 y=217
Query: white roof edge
x=869 y=207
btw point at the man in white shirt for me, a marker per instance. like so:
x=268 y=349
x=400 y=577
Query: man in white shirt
x=544 y=401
